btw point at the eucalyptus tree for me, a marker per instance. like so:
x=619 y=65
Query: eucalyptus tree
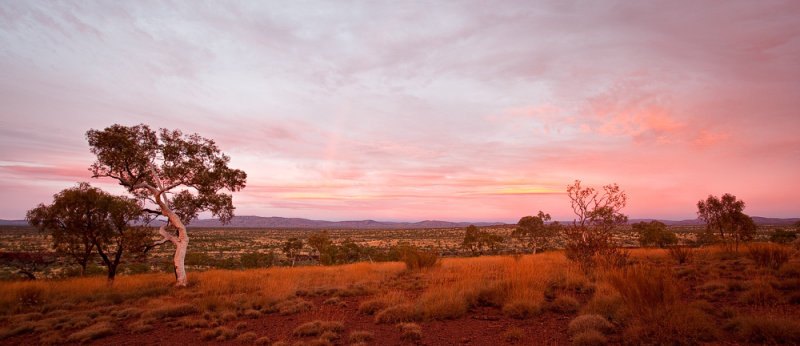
x=534 y=232
x=726 y=217
x=175 y=175
x=83 y=221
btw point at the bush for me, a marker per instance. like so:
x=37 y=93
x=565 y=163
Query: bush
x=173 y=311
x=769 y=255
x=410 y=331
x=765 y=329
x=681 y=254
x=95 y=331
x=521 y=309
x=358 y=336
x=564 y=304
x=584 y=323
x=318 y=327
x=514 y=334
x=782 y=236
x=589 y=338
x=416 y=259
x=395 y=314
x=257 y=259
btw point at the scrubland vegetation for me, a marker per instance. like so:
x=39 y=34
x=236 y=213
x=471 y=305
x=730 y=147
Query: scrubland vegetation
x=714 y=295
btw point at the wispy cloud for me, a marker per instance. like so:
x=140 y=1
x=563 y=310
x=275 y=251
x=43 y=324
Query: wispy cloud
x=413 y=111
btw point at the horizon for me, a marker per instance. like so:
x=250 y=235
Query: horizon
x=441 y=111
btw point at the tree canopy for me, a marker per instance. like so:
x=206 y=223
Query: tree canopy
x=534 y=232
x=177 y=175
x=725 y=216
x=83 y=221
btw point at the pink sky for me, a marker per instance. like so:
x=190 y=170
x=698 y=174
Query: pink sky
x=410 y=110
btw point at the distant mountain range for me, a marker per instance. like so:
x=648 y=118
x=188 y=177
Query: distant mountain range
x=281 y=222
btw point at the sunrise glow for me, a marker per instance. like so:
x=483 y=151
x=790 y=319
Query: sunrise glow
x=447 y=110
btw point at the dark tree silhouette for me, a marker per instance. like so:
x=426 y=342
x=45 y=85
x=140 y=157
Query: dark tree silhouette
x=179 y=175
x=724 y=216
x=598 y=215
x=534 y=232
x=83 y=220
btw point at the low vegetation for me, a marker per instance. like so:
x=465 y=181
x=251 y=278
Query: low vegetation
x=726 y=298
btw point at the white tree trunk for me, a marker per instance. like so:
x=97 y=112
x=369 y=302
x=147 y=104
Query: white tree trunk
x=181 y=245
x=181 y=242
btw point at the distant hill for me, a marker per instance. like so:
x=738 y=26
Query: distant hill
x=13 y=222
x=281 y=222
x=697 y=222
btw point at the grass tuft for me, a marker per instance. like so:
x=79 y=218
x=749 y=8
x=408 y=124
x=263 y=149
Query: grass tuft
x=585 y=323
x=95 y=331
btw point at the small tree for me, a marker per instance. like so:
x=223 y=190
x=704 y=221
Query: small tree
x=598 y=216
x=179 y=175
x=27 y=263
x=291 y=247
x=471 y=239
x=654 y=233
x=533 y=231
x=85 y=219
x=782 y=236
x=319 y=242
x=491 y=241
x=725 y=217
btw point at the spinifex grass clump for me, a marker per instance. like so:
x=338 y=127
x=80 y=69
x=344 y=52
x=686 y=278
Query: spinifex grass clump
x=769 y=255
x=652 y=295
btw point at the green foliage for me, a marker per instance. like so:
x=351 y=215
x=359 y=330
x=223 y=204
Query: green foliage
x=782 y=236
x=471 y=238
x=724 y=216
x=290 y=248
x=228 y=263
x=476 y=240
x=144 y=162
x=83 y=221
x=654 y=233
x=534 y=232
x=257 y=259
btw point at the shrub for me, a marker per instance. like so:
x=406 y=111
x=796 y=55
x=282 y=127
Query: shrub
x=564 y=304
x=589 y=338
x=396 y=313
x=681 y=254
x=782 y=236
x=225 y=333
x=95 y=331
x=760 y=293
x=769 y=255
x=653 y=296
x=521 y=309
x=416 y=259
x=257 y=259
x=765 y=329
x=609 y=306
x=318 y=327
x=293 y=306
x=173 y=311
x=514 y=334
x=371 y=306
x=589 y=322
x=248 y=337
x=410 y=331
x=358 y=336
x=443 y=303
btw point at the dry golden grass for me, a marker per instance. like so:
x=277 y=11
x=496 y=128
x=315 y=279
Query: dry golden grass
x=516 y=284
